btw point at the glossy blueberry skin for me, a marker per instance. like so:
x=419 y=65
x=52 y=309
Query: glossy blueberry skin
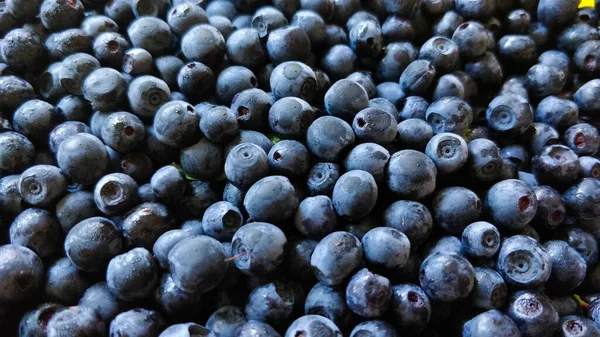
x=481 y=239
x=246 y=163
x=150 y=33
x=194 y=273
x=14 y=91
x=329 y=302
x=99 y=298
x=568 y=266
x=37 y=230
x=339 y=62
x=491 y=323
x=557 y=112
x=15 y=143
x=138 y=61
x=542 y=80
x=22 y=49
x=366 y=39
x=180 y=132
x=523 y=262
x=442 y=52
x=396 y=57
x=374 y=328
x=262 y=246
x=75 y=108
x=485 y=70
x=573 y=325
x=252 y=107
x=556 y=14
x=581 y=197
x=244 y=48
x=551 y=210
x=446 y=245
x=42 y=185
x=92 y=243
x=203 y=160
x=392 y=91
x=226 y=320
x=471 y=39
x=368 y=294
x=434 y=282
x=533 y=313
x=369 y=157
x=417 y=77
x=329 y=136
x=520 y=49
x=316 y=217
x=115 y=193
x=221 y=220
x=585 y=98
x=110 y=48
x=448 y=151
x=76 y=321
x=575 y=35
x=123 y=131
x=355 y=194
x=65 y=284
x=64 y=131
x=511 y=204
x=447 y=23
x=137 y=323
x=386 y=248
x=582 y=241
x=583 y=139
x=22 y=273
x=272 y=198
x=313 y=326
x=289 y=158
x=105 y=88
x=454 y=208
x=556 y=165
x=185 y=330
x=133 y=275
x=336 y=257
x=147 y=94
x=74 y=69
x=168 y=183
x=35 y=119
x=290 y=117
x=346 y=106
x=414 y=133
x=410 y=308
x=484 y=162
x=489 y=291
x=164 y=244
x=288 y=43
x=254 y=328
x=449 y=114
x=233 y=80
x=457 y=84
x=509 y=114
x=74 y=208
x=270 y=303
x=411 y=174
x=375 y=125
x=322 y=178
x=145 y=223
x=539 y=136
x=418 y=221
x=198 y=196
x=34 y=322
x=173 y=301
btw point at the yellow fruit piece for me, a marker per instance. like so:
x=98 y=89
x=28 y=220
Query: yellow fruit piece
x=586 y=3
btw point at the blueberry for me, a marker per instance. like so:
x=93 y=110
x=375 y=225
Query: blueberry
x=556 y=165
x=414 y=107
x=481 y=239
x=489 y=291
x=146 y=95
x=312 y=326
x=151 y=34
x=35 y=119
x=355 y=194
x=509 y=114
x=203 y=160
x=115 y=193
x=491 y=323
x=97 y=24
x=485 y=70
x=290 y=117
x=252 y=328
x=316 y=217
x=457 y=84
x=331 y=270
x=339 y=62
x=74 y=208
x=198 y=196
x=267 y=19
x=374 y=125
x=244 y=48
x=397 y=29
x=176 y=124
x=272 y=199
x=533 y=313
x=568 y=266
x=470 y=37
x=22 y=273
x=64 y=282
x=322 y=178
x=449 y=114
x=346 y=106
x=366 y=38
x=557 y=112
x=173 y=301
x=34 y=322
x=411 y=218
x=259 y=248
x=185 y=330
x=252 y=107
x=123 y=131
x=221 y=220
x=145 y=223
x=329 y=302
x=57 y=15
x=22 y=49
x=233 y=80
x=396 y=57
x=92 y=243
x=11 y=202
x=435 y=283
x=485 y=162
x=369 y=157
x=164 y=244
x=327 y=137
x=37 y=230
x=105 y=88
x=83 y=158
x=272 y=302
x=448 y=151
x=246 y=163
x=75 y=321
x=288 y=43
x=226 y=321
x=411 y=174
x=137 y=322
x=523 y=262
x=417 y=77
x=551 y=210
x=368 y=294
x=298 y=258
x=197 y=273
x=14 y=91
x=386 y=247
x=583 y=139
x=374 y=328
x=168 y=183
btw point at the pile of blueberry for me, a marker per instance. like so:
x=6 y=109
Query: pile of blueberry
x=299 y=168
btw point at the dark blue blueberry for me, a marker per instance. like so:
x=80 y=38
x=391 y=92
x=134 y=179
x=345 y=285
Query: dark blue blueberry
x=368 y=294
x=583 y=139
x=226 y=321
x=386 y=247
x=137 y=323
x=366 y=39
x=92 y=243
x=454 y=208
x=74 y=208
x=289 y=158
x=417 y=77
x=64 y=131
x=327 y=137
x=345 y=99
x=74 y=70
x=475 y=9
x=271 y=199
x=434 y=280
x=22 y=50
x=442 y=53
x=65 y=284
x=197 y=264
x=298 y=258
x=329 y=302
x=176 y=124
x=413 y=107
x=115 y=193
x=533 y=313
x=105 y=88
x=21 y=274
x=203 y=160
x=355 y=194
x=138 y=61
x=410 y=309
x=384 y=104
x=339 y=62
x=489 y=291
x=253 y=328
x=523 y=262
x=411 y=218
x=511 y=204
x=447 y=24
x=133 y=275
x=573 y=325
x=316 y=217
x=123 y=131
x=14 y=91
x=411 y=174
x=414 y=133
x=335 y=35
x=313 y=326
x=484 y=162
x=397 y=29
x=449 y=114
x=139 y=166
x=556 y=165
x=152 y=34
x=145 y=223
x=146 y=95
x=369 y=157
x=585 y=97
x=557 y=112
x=184 y=16
x=551 y=210
x=375 y=125
x=221 y=220
x=312 y=23
x=590 y=167
x=37 y=230
x=509 y=114
x=246 y=163
x=185 y=329
x=265 y=20
x=174 y=302
x=517 y=49
x=75 y=108
x=583 y=242
x=42 y=185
x=35 y=119
x=110 y=48
x=518 y=21
x=34 y=323
x=168 y=183
x=11 y=202
x=288 y=43
x=336 y=257
x=164 y=244
x=539 y=136
x=448 y=151
x=270 y=303
x=458 y=84
x=322 y=178
x=575 y=35
x=252 y=107
x=198 y=196
x=481 y=239
x=374 y=328
x=471 y=38
x=366 y=81
x=556 y=14
x=492 y=323
x=232 y=81
x=290 y=117
x=76 y=321
x=485 y=70
x=258 y=248
x=568 y=266
x=543 y=80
